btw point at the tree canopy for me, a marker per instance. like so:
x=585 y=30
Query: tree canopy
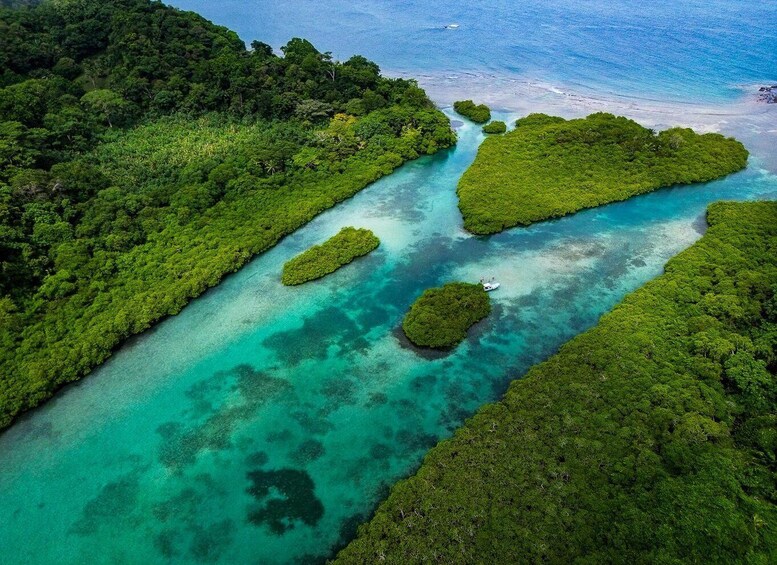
x=478 y=113
x=495 y=127
x=440 y=317
x=337 y=251
x=549 y=167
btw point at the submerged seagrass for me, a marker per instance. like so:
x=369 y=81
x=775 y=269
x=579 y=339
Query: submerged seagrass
x=549 y=167
x=440 y=317
x=647 y=439
x=320 y=260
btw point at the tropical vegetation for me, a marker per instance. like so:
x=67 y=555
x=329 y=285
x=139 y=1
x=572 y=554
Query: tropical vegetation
x=495 y=127
x=145 y=153
x=478 y=113
x=440 y=317
x=337 y=251
x=549 y=167
x=651 y=438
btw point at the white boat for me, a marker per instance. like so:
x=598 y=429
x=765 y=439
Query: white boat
x=489 y=286
x=452 y=26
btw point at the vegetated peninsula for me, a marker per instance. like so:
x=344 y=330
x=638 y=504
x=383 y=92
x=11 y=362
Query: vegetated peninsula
x=133 y=178
x=647 y=439
x=478 y=113
x=320 y=260
x=440 y=317
x=549 y=167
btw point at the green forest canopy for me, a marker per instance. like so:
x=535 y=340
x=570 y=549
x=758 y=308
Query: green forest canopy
x=478 y=113
x=337 y=251
x=495 y=127
x=133 y=177
x=549 y=167
x=651 y=438
x=440 y=317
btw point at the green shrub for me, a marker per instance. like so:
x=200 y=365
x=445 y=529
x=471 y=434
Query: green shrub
x=633 y=444
x=495 y=127
x=479 y=113
x=440 y=317
x=548 y=167
x=337 y=251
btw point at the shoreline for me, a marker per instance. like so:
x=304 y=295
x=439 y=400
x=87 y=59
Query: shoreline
x=752 y=122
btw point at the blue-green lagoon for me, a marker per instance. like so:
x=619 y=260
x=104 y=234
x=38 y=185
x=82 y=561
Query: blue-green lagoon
x=264 y=422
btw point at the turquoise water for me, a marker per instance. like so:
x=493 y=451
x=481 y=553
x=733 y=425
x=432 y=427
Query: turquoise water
x=264 y=422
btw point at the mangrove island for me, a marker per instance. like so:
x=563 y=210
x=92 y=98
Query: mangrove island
x=337 y=251
x=440 y=317
x=549 y=167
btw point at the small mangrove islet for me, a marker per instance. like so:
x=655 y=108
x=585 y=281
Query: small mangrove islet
x=495 y=127
x=478 y=113
x=549 y=167
x=441 y=316
x=337 y=251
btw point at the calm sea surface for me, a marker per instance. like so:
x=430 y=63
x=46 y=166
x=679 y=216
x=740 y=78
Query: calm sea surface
x=702 y=49
x=263 y=423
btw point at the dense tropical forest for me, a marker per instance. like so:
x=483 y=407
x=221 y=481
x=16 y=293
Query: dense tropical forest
x=18 y=3
x=440 y=317
x=146 y=152
x=549 y=167
x=651 y=438
x=337 y=251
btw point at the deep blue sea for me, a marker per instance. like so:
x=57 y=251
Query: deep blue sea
x=676 y=49
x=263 y=423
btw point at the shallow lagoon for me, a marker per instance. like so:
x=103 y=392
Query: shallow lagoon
x=264 y=422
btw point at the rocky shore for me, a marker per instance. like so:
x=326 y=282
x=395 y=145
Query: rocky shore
x=768 y=94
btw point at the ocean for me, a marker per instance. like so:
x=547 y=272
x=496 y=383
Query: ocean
x=694 y=50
